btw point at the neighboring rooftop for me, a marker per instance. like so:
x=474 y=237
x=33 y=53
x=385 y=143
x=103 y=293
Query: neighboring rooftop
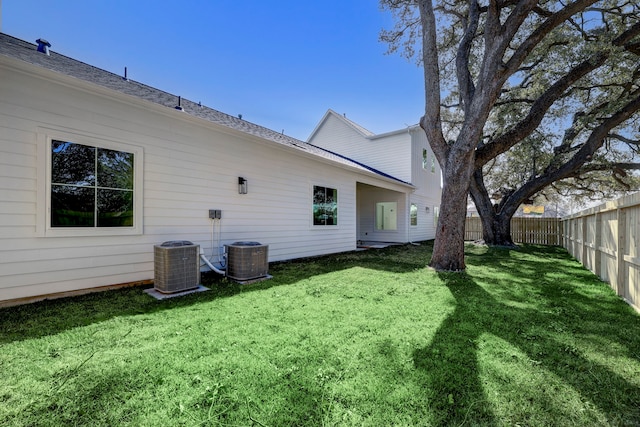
x=28 y=52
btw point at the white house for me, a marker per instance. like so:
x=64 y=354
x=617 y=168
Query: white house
x=96 y=169
x=383 y=214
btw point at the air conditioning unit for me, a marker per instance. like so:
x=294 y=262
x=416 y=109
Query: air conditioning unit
x=176 y=266
x=247 y=260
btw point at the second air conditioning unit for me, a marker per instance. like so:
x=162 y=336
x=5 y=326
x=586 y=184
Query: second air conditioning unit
x=176 y=266
x=247 y=260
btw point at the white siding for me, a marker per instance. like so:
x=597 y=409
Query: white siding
x=190 y=166
x=390 y=154
x=334 y=134
x=398 y=154
x=428 y=188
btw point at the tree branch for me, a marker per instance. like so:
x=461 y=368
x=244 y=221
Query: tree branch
x=555 y=19
x=431 y=121
x=465 y=82
x=540 y=107
x=593 y=143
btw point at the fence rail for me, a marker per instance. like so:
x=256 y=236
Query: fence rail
x=542 y=231
x=606 y=240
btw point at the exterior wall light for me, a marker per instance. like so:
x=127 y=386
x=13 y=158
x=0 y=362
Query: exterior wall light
x=242 y=185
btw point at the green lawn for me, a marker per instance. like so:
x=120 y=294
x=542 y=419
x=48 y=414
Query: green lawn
x=525 y=337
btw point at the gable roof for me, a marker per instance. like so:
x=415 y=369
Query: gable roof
x=365 y=133
x=343 y=118
x=19 y=49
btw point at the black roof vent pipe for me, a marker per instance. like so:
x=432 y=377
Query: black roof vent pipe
x=43 y=46
x=179 y=106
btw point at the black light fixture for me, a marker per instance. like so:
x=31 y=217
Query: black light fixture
x=242 y=185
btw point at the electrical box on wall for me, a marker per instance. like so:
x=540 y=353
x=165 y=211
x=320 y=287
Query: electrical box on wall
x=215 y=213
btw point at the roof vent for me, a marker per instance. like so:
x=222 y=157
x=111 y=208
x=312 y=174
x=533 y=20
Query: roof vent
x=43 y=46
x=179 y=106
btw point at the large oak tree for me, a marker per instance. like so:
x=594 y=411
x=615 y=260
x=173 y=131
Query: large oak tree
x=498 y=72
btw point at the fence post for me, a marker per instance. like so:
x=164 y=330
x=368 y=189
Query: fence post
x=621 y=277
x=583 y=257
x=597 y=245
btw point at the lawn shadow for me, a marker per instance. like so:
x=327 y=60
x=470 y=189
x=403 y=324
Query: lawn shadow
x=449 y=362
x=453 y=378
x=50 y=317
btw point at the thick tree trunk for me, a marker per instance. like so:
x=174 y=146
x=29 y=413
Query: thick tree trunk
x=496 y=220
x=448 y=248
x=496 y=229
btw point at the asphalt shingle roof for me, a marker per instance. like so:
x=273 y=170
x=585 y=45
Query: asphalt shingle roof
x=25 y=51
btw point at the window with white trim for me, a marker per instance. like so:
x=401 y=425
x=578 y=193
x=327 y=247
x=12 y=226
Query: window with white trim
x=91 y=186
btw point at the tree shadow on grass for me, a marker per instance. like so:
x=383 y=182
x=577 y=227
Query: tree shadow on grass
x=450 y=363
x=454 y=378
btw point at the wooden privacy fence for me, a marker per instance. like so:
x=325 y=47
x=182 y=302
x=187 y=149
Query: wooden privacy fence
x=542 y=231
x=606 y=240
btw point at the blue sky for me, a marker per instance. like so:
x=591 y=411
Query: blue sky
x=279 y=63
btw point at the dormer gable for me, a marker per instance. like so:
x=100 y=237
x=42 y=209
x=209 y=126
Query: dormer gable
x=332 y=115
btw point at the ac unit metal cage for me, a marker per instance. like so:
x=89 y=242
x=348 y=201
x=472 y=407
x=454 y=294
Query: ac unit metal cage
x=176 y=266
x=247 y=260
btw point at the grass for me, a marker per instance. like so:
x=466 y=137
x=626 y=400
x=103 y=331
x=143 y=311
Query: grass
x=525 y=337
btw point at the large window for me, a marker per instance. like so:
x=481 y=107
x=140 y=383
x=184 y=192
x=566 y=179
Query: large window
x=387 y=216
x=91 y=186
x=325 y=206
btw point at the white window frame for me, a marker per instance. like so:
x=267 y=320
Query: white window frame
x=46 y=136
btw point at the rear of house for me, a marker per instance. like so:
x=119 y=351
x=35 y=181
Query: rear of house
x=96 y=170
x=405 y=153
